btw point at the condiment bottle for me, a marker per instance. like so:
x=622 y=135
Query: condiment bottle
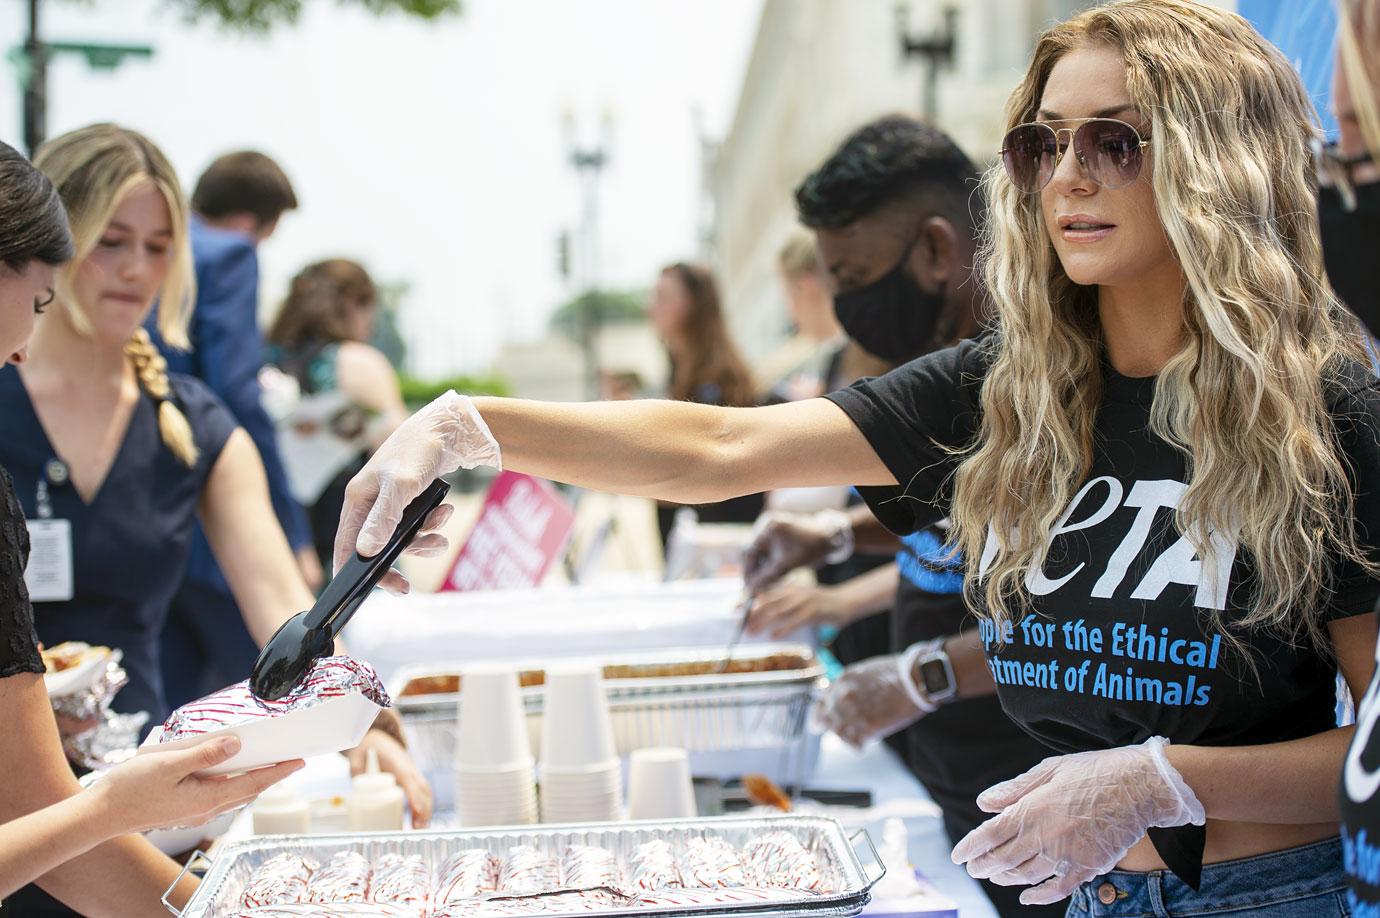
x=375 y=803
x=281 y=811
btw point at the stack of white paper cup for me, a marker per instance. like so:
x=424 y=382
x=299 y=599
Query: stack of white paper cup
x=581 y=780
x=494 y=783
x=659 y=785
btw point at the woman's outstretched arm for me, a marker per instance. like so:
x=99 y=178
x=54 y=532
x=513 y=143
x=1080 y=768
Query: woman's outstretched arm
x=668 y=450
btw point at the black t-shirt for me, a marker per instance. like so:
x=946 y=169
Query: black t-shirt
x=18 y=640
x=1360 y=805
x=966 y=746
x=1118 y=644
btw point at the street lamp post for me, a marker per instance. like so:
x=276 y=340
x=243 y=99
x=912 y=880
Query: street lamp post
x=936 y=49
x=35 y=84
x=31 y=62
x=589 y=162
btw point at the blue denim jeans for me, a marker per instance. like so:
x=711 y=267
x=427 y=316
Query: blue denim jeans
x=1303 y=882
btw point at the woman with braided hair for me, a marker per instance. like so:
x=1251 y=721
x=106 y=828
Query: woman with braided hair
x=113 y=458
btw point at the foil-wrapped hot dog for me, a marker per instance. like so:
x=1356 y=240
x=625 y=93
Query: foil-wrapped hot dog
x=330 y=677
x=466 y=875
x=279 y=880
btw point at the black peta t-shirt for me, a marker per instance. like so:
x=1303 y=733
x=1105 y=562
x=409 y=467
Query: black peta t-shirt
x=1361 y=806
x=1118 y=643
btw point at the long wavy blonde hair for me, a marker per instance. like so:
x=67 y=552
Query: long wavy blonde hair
x=93 y=169
x=1243 y=399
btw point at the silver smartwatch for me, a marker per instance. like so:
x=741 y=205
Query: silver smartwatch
x=929 y=674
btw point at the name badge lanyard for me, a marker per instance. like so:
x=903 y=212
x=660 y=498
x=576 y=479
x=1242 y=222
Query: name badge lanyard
x=49 y=576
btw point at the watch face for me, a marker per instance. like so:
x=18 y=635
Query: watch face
x=935 y=675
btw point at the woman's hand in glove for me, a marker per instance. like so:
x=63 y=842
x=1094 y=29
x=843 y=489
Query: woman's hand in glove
x=787 y=607
x=782 y=542
x=445 y=435
x=871 y=699
x=1073 y=817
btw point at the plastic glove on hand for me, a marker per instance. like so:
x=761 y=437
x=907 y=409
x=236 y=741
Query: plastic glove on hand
x=1072 y=818
x=870 y=700
x=782 y=542
x=446 y=435
x=787 y=607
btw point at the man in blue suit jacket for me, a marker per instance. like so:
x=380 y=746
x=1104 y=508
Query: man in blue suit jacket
x=236 y=205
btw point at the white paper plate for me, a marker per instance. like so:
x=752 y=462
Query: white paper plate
x=79 y=677
x=332 y=725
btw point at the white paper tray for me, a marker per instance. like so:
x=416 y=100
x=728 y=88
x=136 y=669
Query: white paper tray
x=329 y=726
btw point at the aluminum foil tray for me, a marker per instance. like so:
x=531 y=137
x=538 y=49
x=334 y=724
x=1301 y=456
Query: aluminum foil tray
x=850 y=878
x=810 y=670
x=708 y=713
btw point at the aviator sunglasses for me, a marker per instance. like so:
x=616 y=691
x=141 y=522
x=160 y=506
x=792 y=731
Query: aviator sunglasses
x=1109 y=151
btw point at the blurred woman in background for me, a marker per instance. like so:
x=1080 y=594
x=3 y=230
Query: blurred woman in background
x=77 y=843
x=122 y=457
x=349 y=396
x=706 y=368
x=103 y=439
x=807 y=365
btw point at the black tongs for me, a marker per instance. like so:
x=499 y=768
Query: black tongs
x=309 y=635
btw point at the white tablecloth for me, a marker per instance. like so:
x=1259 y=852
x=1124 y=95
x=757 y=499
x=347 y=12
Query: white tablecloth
x=879 y=770
x=449 y=628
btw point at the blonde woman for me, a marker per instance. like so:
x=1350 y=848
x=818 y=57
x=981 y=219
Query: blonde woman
x=1163 y=465
x=113 y=459
x=77 y=827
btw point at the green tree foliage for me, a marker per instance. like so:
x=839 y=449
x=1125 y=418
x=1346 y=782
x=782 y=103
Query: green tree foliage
x=417 y=392
x=599 y=308
x=262 y=15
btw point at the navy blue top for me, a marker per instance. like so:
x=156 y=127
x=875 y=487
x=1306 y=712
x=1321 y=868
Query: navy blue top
x=130 y=543
x=226 y=354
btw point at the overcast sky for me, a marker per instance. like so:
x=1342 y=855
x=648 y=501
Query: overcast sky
x=432 y=152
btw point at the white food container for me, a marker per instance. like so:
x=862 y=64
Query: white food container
x=332 y=725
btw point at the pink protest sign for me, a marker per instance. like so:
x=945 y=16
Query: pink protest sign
x=522 y=530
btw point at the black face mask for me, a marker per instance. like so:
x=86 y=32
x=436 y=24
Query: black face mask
x=892 y=317
x=1350 y=243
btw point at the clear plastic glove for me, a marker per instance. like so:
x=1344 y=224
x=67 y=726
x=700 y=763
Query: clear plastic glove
x=1073 y=817
x=446 y=435
x=782 y=542
x=871 y=699
x=786 y=607
x=162 y=788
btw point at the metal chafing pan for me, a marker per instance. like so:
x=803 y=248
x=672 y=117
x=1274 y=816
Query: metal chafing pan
x=700 y=713
x=850 y=876
x=808 y=670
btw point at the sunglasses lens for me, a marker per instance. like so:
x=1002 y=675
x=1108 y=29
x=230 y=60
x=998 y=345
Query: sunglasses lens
x=1110 y=152
x=1029 y=154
